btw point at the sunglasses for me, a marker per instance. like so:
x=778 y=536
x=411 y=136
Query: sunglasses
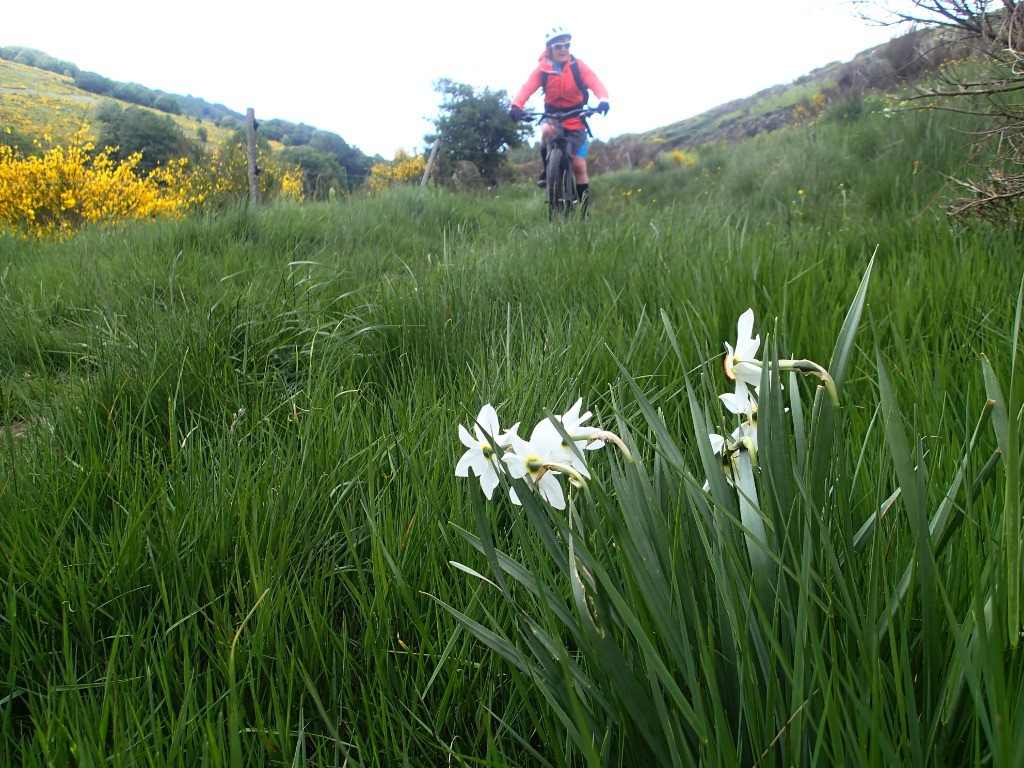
x=560 y=46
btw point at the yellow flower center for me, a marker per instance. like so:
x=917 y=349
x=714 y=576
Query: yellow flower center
x=534 y=464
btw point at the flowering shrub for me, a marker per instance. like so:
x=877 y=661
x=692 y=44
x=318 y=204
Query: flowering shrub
x=404 y=169
x=225 y=176
x=683 y=159
x=57 y=192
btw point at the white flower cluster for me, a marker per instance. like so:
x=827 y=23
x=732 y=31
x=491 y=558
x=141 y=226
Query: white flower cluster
x=546 y=455
x=539 y=461
x=743 y=367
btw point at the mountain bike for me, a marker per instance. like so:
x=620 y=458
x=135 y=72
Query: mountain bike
x=561 y=184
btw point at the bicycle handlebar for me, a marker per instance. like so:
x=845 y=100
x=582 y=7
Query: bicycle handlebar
x=582 y=112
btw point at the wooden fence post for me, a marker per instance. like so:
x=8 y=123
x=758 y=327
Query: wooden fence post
x=430 y=162
x=250 y=139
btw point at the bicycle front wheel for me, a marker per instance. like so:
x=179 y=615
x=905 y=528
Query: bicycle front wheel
x=561 y=185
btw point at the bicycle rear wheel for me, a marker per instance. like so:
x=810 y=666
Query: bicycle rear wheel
x=561 y=185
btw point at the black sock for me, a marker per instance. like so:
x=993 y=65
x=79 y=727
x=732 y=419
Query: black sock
x=543 y=162
x=583 y=195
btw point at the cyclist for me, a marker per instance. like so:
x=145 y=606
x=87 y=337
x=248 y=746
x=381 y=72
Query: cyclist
x=566 y=81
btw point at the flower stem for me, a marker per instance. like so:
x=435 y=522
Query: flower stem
x=571 y=473
x=811 y=368
x=611 y=437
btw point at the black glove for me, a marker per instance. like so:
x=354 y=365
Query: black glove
x=602 y=108
x=516 y=114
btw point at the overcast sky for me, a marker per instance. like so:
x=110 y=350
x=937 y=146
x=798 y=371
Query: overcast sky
x=366 y=70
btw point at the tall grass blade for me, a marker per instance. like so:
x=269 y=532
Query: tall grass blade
x=1007 y=439
x=820 y=442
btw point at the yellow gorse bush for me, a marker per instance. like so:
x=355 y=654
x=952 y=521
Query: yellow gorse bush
x=61 y=190
x=56 y=193
x=226 y=175
x=404 y=169
x=683 y=159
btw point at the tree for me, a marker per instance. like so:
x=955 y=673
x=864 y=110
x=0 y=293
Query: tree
x=475 y=127
x=92 y=82
x=167 y=103
x=986 y=20
x=320 y=172
x=35 y=58
x=353 y=162
x=994 y=31
x=134 y=129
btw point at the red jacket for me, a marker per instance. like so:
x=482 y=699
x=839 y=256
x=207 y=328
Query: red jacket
x=561 y=91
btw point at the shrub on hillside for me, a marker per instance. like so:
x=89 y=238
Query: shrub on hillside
x=93 y=83
x=167 y=103
x=35 y=58
x=65 y=188
x=59 y=190
x=404 y=169
x=474 y=127
x=320 y=173
x=134 y=94
x=225 y=173
x=16 y=140
x=156 y=138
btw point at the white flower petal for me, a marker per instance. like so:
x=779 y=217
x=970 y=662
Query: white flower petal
x=565 y=455
x=467 y=439
x=748 y=373
x=546 y=438
x=489 y=481
x=740 y=398
x=745 y=326
x=486 y=426
x=551 y=490
x=732 y=403
x=462 y=468
x=516 y=464
x=506 y=438
x=746 y=349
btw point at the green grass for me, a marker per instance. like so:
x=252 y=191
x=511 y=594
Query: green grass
x=228 y=503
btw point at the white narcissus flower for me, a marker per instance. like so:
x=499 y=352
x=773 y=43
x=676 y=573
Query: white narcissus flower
x=481 y=456
x=527 y=460
x=718 y=448
x=741 y=364
x=743 y=437
x=572 y=422
x=748 y=428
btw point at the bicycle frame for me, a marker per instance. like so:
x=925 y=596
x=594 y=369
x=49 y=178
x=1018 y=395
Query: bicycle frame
x=561 y=181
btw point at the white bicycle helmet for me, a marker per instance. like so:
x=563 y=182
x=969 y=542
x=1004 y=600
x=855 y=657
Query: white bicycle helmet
x=554 y=33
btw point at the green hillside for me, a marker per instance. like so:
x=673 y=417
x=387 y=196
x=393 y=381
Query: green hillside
x=47 y=96
x=37 y=102
x=888 y=72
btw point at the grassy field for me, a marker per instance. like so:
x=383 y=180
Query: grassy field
x=228 y=507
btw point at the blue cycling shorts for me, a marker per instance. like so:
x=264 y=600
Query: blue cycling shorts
x=577 y=141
